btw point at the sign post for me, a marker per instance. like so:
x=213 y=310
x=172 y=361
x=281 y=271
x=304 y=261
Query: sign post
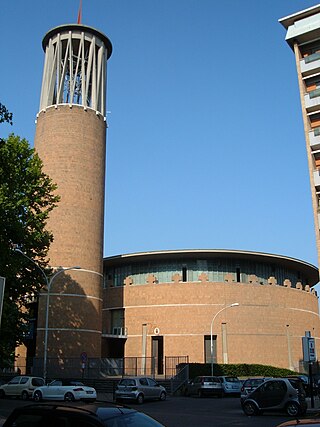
x=309 y=356
x=2 y=285
x=84 y=359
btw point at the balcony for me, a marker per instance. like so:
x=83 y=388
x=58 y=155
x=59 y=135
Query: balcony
x=310 y=64
x=316 y=178
x=116 y=332
x=314 y=139
x=312 y=100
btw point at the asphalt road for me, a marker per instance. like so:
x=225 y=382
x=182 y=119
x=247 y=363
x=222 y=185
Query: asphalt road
x=186 y=412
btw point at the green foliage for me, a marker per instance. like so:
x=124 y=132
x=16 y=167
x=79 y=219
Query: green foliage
x=5 y=115
x=240 y=370
x=27 y=195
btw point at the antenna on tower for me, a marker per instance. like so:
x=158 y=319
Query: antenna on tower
x=80 y=13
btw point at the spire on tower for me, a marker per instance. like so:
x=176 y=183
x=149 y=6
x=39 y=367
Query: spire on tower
x=80 y=13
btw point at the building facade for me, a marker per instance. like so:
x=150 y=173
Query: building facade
x=162 y=304
x=303 y=36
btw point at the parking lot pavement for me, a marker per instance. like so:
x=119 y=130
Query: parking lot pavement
x=188 y=412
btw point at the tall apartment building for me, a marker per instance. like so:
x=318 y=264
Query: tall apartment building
x=303 y=36
x=71 y=141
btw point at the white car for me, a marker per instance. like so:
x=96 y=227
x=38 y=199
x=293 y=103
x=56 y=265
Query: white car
x=21 y=386
x=65 y=390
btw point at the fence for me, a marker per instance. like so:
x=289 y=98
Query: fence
x=95 y=368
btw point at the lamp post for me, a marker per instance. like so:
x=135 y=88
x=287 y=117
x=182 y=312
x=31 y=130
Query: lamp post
x=211 y=338
x=49 y=280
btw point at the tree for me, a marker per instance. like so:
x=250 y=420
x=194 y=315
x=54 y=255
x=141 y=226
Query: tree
x=27 y=196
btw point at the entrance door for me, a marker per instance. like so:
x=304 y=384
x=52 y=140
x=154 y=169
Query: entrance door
x=157 y=354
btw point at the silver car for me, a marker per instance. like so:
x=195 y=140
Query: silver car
x=204 y=385
x=139 y=389
x=231 y=385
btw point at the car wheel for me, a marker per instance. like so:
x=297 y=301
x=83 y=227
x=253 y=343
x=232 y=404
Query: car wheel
x=249 y=408
x=69 y=397
x=140 y=399
x=292 y=409
x=37 y=396
x=162 y=396
x=24 y=395
x=2 y=394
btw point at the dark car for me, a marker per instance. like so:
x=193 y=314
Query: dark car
x=98 y=415
x=276 y=394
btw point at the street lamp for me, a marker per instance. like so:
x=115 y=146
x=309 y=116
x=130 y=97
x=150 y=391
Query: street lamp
x=211 y=338
x=49 y=280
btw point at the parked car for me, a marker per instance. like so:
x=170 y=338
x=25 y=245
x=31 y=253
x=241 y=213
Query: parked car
x=306 y=422
x=64 y=390
x=21 y=386
x=231 y=385
x=102 y=415
x=139 y=389
x=251 y=384
x=204 y=385
x=276 y=394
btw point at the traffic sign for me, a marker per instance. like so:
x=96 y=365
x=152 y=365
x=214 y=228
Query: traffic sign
x=84 y=357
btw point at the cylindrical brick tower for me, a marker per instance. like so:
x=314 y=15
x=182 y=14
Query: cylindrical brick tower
x=70 y=139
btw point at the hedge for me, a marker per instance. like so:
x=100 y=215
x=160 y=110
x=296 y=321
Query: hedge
x=239 y=370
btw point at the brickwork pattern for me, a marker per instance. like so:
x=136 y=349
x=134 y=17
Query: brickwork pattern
x=257 y=330
x=71 y=144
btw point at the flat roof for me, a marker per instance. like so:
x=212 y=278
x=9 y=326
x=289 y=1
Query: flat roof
x=291 y=19
x=309 y=270
x=302 y=27
x=78 y=27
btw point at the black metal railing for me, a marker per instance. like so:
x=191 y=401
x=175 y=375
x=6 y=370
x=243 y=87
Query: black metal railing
x=94 y=368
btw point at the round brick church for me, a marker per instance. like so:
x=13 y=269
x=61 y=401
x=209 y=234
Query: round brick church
x=252 y=307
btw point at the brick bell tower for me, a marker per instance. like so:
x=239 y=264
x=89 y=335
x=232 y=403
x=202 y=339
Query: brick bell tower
x=71 y=141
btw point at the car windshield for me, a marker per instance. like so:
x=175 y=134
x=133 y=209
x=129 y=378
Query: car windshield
x=297 y=384
x=232 y=379
x=135 y=419
x=254 y=382
x=127 y=382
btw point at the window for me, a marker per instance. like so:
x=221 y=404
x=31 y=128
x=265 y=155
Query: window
x=15 y=380
x=37 y=382
x=117 y=321
x=238 y=274
x=207 y=349
x=143 y=381
x=184 y=273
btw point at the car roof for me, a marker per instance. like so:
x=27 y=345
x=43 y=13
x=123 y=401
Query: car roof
x=103 y=410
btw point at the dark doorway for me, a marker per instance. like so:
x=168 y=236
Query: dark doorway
x=157 y=354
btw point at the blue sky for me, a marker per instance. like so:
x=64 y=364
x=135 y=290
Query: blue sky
x=205 y=146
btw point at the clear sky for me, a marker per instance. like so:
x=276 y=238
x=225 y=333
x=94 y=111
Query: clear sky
x=205 y=145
